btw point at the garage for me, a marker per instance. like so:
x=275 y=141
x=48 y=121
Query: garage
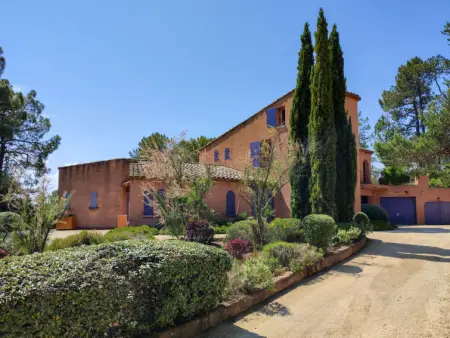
x=401 y=210
x=437 y=213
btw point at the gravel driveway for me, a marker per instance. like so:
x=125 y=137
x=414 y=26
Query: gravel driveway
x=398 y=286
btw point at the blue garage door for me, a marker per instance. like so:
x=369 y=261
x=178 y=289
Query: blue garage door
x=401 y=210
x=437 y=213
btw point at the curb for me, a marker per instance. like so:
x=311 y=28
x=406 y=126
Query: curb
x=228 y=310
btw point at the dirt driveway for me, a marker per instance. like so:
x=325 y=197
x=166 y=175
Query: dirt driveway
x=398 y=286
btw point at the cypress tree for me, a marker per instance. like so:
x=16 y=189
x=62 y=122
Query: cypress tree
x=345 y=140
x=299 y=118
x=322 y=132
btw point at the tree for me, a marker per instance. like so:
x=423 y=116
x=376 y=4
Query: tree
x=345 y=140
x=155 y=141
x=394 y=176
x=261 y=183
x=194 y=145
x=322 y=132
x=2 y=62
x=365 y=132
x=446 y=31
x=299 y=118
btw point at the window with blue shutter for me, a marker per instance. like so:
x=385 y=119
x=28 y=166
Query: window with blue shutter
x=231 y=204
x=227 y=153
x=255 y=153
x=271 y=117
x=93 y=204
x=216 y=155
x=148 y=204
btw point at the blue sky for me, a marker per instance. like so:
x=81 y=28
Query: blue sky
x=111 y=72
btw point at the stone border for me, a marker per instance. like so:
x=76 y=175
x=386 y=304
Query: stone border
x=228 y=310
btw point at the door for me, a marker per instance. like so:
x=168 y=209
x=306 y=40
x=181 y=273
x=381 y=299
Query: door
x=401 y=210
x=437 y=213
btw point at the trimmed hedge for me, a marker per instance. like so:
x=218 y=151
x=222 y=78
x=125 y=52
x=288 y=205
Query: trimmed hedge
x=131 y=232
x=124 y=288
x=374 y=212
x=381 y=225
x=82 y=238
x=362 y=222
x=286 y=229
x=242 y=230
x=319 y=230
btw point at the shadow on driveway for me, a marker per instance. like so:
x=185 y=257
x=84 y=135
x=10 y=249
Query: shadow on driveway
x=424 y=230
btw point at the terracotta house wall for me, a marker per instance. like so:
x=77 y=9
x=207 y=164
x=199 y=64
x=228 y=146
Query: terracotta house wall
x=137 y=204
x=105 y=178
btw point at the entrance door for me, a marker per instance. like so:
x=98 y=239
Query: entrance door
x=437 y=213
x=401 y=210
x=128 y=204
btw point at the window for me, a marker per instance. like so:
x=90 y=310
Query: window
x=255 y=153
x=281 y=117
x=93 y=204
x=231 y=204
x=148 y=204
x=67 y=196
x=227 y=153
x=216 y=155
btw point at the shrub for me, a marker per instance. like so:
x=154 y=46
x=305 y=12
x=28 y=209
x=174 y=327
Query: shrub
x=132 y=232
x=381 y=225
x=292 y=256
x=286 y=229
x=348 y=236
x=238 y=247
x=200 y=232
x=362 y=222
x=82 y=238
x=346 y=225
x=3 y=253
x=220 y=230
x=319 y=230
x=242 y=229
x=251 y=275
x=142 y=286
x=374 y=212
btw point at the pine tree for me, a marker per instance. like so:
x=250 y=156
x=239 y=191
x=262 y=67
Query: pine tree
x=322 y=132
x=345 y=161
x=299 y=118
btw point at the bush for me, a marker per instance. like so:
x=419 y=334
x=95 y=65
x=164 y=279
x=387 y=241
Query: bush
x=3 y=253
x=319 y=230
x=238 y=247
x=348 y=236
x=292 y=256
x=132 y=232
x=251 y=275
x=220 y=230
x=200 y=232
x=374 y=212
x=362 y=222
x=141 y=286
x=82 y=238
x=242 y=230
x=381 y=225
x=346 y=225
x=286 y=229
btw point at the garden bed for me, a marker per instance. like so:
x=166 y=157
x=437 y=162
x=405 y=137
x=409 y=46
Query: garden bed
x=230 y=309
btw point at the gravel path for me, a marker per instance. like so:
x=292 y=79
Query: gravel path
x=398 y=286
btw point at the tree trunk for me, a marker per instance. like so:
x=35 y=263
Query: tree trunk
x=416 y=118
x=2 y=154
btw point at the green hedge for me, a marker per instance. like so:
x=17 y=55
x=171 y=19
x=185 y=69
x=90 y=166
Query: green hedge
x=374 y=212
x=242 y=230
x=381 y=225
x=131 y=232
x=82 y=238
x=319 y=230
x=286 y=229
x=124 y=288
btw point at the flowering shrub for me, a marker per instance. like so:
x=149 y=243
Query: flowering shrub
x=238 y=247
x=200 y=232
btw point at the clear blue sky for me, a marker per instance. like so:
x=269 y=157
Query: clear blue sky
x=110 y=72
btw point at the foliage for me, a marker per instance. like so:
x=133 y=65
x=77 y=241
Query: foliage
x=131 y=232
x=221 y=229
x=194 y=146
x=238 y=247
x=250 y=275
x=321 y=132
x=286 y=229
x=265 y=174
x=365 y=133
x=348 y=236
x=394 y=176
x=242 y=230
x=346 y=156
x=362 y=221
x=346 y=225
x=374 y=212
x=155 y=141
x=82 y=238
x=200 y=232
x=380 y=225
x=292 y=256
x=124 y=287
x=301 y=108
x=319 y=230
x=3 y=253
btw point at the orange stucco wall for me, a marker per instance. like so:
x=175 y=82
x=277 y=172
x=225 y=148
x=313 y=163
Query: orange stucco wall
x=105 y=178
x=255 y=129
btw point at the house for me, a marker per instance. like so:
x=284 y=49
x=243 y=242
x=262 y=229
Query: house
x=109 y=193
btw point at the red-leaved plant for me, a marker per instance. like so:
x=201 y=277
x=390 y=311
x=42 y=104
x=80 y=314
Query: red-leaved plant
x=3 y=253
x=238 y=247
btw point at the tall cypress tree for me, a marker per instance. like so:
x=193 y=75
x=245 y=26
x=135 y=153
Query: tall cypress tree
x=299 y=118
x=322 y=132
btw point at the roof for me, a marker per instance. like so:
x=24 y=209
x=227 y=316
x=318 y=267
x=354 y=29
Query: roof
x=367 y=151
x=94 y=162
x=218 y=172
x=245 y=122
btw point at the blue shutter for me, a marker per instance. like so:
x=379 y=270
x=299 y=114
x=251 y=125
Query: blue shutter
x=216 y=155
x=271 y=117
x=148 y=205
x=227 y=153
x=231 y=204
x=161 y=192
x=255 y=153
x=67 y=195
x=93 y=200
